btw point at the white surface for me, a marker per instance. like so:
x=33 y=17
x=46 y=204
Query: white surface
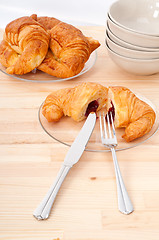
x=141 y=16
x=76 y=12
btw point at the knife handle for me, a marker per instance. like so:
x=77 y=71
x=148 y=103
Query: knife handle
x=43 y=210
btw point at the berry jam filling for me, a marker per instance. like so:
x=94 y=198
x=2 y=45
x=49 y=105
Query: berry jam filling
x=92 y=107
x=111 y=110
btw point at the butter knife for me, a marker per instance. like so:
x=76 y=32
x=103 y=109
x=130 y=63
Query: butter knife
x=43 y=210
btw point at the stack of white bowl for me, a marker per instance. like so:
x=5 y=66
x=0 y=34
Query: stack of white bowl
x=132 y=35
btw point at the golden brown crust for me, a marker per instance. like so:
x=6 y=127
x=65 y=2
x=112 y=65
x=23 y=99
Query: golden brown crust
x=132 y=113
x=16 y=25
x=136 y=116
x=94 y=44
x=27 y=39
x=7 y=55
x=53 y=67
x=67 y=55
x=48 y=22
x=30 y=40
x=73 y=102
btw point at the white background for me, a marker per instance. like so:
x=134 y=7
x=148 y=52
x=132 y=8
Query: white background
x=90 y=12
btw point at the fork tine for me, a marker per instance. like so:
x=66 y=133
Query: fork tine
x=105 y=127
x=112 y=122
x=101 y=128
x=109 y=128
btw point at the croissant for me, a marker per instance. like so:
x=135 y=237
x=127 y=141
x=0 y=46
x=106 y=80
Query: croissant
x=47 y=44
x=69 y=49
x=50 y=22
x=129 y=112
x=27 y=41
x=75 y=102
x=136 y=116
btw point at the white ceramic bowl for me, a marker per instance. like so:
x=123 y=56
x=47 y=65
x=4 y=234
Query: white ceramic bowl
x=126 y=52
x=135 y=66
x=128 y=45
x=133 y=37
x=140 y=16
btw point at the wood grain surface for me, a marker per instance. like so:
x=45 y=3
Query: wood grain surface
x=86 y=206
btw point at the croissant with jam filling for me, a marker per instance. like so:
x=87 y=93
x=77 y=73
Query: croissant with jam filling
x=75 y=102
x=129 y=112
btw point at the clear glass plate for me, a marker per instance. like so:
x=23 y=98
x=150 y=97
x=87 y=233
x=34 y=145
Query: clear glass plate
x=66 y=130
x=40 y=76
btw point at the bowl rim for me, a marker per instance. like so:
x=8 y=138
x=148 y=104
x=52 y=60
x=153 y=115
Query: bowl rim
x=131 y=50
x=148 y=49
x=132 y=59
x=127 y=31
x=125 y=27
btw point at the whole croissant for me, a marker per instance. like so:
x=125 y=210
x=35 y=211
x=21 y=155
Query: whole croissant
x=27 y=41
x=69 y=49
x=136 y=116
x=47 y=44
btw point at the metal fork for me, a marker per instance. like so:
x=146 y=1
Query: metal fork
x=124 y=203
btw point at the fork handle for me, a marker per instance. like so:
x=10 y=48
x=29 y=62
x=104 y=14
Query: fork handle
x=124 y=202
x=43 y=210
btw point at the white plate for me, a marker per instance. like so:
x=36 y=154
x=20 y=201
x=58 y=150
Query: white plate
x=66 y=130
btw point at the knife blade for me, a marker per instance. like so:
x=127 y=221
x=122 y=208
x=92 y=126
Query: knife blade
x=78 y=146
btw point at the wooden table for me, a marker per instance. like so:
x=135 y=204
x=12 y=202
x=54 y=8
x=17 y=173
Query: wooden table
x=86 y=206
